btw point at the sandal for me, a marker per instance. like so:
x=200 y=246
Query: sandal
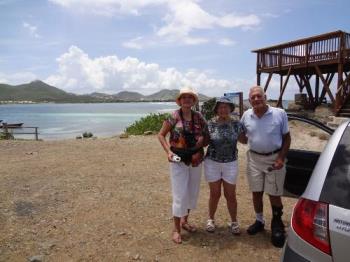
x=176 y=237
x=234 y=228
x=189 y=228
x=210 y=226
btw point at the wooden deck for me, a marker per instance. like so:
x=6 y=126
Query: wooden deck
x=321 y=56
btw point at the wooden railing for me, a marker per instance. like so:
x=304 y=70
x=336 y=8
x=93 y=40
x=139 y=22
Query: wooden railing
x=8 y=131
x=329 y=47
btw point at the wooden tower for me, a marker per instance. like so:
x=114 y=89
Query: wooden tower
x=323 y=56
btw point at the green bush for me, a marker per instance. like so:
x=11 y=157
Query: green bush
x=151 y=122
x=6 y=136
x=87 y=134
x=207 y=108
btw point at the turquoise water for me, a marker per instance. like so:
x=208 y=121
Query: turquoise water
x=61 y=121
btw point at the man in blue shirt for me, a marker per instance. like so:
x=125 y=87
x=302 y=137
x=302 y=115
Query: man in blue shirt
x=268 y=138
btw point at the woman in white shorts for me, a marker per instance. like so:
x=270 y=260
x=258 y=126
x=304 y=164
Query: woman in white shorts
x=220 y=165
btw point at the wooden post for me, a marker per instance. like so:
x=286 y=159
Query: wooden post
x=258 y=79
x=300 y=83
x=279 y=102
x=339 y=95
x=280 y=59
x=317 y=90
x=36 y=134
x=5 y=130
x=281 y=83
x=307 y=53
x=258 y=66
x=325 y=84
x=268 y=82
x=329 y=81
x=308 y=88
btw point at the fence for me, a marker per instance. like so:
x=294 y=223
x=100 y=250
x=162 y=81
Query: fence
x=8 y=131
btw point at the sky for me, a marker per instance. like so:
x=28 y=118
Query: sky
x=108 y=46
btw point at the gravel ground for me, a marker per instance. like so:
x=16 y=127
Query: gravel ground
x=110 y=200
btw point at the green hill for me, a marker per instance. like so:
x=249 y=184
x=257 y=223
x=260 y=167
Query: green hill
x=38 y=92
x=129 y=96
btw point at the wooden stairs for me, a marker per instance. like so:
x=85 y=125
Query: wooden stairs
x=345 y=109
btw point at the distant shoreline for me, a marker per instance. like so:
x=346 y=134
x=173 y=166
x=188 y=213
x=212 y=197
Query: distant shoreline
x=84 y=102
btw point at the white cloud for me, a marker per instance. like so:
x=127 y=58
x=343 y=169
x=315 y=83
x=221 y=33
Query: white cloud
x=270 y=15
x=181 y=19
x=185 y=16
x=17 y=78
x=135 y=43
x=78 y=73
x=231 y=21
x=33 y=30
x=226 y=42
x=108 y=7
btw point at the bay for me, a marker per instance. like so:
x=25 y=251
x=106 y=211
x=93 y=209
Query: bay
x=62 y=121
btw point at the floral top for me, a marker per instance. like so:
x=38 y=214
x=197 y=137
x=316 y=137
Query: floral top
x=223 y=140
x=197 y=126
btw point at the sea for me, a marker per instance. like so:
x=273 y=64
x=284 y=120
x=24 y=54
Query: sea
x=64 y=121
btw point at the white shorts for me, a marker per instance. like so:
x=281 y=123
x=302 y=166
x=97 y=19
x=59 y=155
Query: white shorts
x=214 y=171
x=261 y=181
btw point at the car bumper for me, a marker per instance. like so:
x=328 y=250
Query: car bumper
x=288 y=255
x=297 y=249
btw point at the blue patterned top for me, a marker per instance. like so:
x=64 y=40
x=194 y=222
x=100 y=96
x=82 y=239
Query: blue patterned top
x=223 y=140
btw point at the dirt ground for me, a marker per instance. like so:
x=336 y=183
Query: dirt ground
x=110 y=200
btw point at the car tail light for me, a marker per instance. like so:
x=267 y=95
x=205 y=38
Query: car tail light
x=310 y=222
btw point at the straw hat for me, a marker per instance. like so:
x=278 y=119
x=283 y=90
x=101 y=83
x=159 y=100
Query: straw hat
x=224 y=100
x=186 y=91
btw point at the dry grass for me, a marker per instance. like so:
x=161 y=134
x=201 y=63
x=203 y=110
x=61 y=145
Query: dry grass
x=110 y=200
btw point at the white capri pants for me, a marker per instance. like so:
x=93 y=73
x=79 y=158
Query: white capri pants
x=214 y=171
x=185 y=182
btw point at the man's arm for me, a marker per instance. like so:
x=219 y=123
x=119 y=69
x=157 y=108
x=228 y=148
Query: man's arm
x=279 y=162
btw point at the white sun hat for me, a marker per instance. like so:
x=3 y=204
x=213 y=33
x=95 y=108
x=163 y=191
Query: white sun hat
x=188 y=91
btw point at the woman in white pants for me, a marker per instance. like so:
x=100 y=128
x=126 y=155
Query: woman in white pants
x=220 y=165
x=188 y=134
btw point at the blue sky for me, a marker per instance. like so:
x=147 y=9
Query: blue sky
x=85 y=46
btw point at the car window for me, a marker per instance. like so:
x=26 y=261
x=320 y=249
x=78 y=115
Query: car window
x=336 y=189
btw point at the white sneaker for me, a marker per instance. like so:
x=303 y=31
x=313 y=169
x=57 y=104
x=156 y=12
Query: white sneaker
x=234 y=228
x=210 y=226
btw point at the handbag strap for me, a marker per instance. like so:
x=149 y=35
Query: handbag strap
x=183 y=120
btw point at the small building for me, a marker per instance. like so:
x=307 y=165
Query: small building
x=325 y=57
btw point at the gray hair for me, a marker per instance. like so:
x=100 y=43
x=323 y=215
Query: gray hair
x=257 y=87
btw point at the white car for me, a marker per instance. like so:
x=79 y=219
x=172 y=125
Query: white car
x=320 y=224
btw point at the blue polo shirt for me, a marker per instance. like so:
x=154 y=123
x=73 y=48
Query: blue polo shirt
x=265 y=133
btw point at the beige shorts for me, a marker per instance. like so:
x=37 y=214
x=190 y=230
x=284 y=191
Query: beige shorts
x=259 y=179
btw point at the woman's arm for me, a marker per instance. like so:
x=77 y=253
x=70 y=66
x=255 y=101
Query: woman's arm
x=162 y=139
x=242 y=138
x=203 y=140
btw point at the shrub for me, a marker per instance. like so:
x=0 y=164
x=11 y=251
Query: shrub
x=87 y=135
x=6 y=136
x=151 y=122
x=207 y=108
